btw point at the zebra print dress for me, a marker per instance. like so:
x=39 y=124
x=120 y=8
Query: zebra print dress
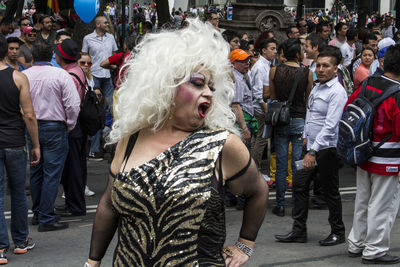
x=171 y=208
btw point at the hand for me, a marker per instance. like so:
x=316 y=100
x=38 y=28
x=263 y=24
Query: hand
x=304 y=141
x=94 y=263
x=309 y=161
x=113 y=67
x=35 y=156
x=234 y=257
x=246 y=135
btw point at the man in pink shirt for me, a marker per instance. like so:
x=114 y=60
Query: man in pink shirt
x=75 y=171
x=56 y=104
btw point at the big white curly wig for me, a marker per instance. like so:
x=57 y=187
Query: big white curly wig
x=162 y=62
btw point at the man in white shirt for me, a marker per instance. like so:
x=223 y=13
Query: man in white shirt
x=324 y=110
x=260 y=82
x=388 y=30
x=100 y=45
x=340 y=31
x=347 y=49
x=314 y=44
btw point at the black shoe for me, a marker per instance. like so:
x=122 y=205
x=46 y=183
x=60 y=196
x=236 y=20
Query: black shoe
x=60 y=208
x=52 y=227
x=239 y=206
x=279 y=211
x=67 y=213
x=292 y=237
x=35 y=218
x=332 y=240
x=385 y=259
x=354 y=254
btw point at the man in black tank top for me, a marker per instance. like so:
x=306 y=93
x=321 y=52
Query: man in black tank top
x=14 y=96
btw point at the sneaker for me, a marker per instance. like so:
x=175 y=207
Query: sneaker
x=271 y=184
x=92 y=156
x=3 y=257
x=22 y=249
x=88 y=192
x=63 y=195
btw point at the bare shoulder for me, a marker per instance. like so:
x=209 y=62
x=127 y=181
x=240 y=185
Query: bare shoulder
x=19 y=78
x=119 y=154
x=235 y=156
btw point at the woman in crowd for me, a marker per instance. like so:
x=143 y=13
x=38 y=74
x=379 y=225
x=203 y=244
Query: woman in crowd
x=85 y=62
x=176 y=153
x=362 y=72
x=280 y=85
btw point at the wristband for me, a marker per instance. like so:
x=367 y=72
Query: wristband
x=244 y=248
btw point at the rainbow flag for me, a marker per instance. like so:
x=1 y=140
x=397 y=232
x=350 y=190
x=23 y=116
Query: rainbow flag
x=52 y=7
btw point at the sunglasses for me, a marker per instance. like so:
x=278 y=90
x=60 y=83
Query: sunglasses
x=83 y=63
x=26 y=24
x=99 y=95
x=31 y=34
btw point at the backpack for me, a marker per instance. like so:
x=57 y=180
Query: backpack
x=355 y=127
x=92 y=115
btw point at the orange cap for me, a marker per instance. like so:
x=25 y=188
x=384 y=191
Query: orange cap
x=239 y=54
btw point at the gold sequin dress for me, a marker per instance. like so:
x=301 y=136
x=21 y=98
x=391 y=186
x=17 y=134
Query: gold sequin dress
x=171 y=210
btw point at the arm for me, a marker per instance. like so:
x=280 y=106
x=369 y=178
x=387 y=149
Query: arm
x=29 y=115
x=309 y=84
x=252 y=186
x=272 y=94
x=336 y=105
x=106 y=220
x=258 y=86
x=106 y=65
x=242 y=123
x=70 y=100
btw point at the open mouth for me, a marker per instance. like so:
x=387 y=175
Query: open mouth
x=203 y=109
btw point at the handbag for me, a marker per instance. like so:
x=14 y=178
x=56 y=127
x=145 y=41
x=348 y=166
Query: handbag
x=279 y=111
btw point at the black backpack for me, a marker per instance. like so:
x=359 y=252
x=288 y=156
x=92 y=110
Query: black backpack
x=92 y=116
x=355 y=128
x=115 y=71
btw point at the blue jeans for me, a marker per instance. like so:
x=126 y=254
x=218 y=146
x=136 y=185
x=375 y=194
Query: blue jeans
x=46 y=176
x=282 y=136
x=107 y=86
x=13 y=160
x=95 y=142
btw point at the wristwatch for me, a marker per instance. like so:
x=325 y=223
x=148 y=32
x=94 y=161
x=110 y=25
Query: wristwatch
x=312 y=152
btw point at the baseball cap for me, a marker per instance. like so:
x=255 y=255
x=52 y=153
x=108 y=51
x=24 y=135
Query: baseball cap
x=238 y=54
x=68 y=49
x=385 y=42
x=28 y=30
x=381 y=52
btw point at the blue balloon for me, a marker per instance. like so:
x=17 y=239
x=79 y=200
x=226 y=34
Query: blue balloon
x=87 y=9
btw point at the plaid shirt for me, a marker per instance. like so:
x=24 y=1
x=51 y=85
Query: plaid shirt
x=243 y=93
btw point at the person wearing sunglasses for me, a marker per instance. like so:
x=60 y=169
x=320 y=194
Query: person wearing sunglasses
x=25 y=55
x=85 y=62
x=23 y=23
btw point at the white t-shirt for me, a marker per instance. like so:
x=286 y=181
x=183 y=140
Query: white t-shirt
x=347 y=53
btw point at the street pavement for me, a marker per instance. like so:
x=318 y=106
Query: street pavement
x=70 y=247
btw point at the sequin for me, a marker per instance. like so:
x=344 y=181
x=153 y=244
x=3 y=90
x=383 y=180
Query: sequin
x=169 y=209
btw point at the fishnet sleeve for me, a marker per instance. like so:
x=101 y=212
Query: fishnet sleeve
x=104 y=226
x=254 y=189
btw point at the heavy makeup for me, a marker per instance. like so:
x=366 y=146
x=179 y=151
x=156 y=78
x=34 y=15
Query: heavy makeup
x=193 y=101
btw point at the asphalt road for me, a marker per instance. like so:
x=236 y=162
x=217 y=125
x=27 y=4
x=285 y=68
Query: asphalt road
x=70 y=247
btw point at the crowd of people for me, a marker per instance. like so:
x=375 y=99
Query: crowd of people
x=210 y=108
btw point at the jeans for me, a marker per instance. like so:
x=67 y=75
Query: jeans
x=95 y=142
x=106 y=85
x=328 y=167
x=46 y=176
x=282 y=136
x=13 y=160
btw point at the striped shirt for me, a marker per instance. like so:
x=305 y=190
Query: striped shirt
x=243 y=94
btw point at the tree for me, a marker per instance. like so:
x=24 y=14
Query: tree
x=299 y=11
x=162 y=7
x=363 y=8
